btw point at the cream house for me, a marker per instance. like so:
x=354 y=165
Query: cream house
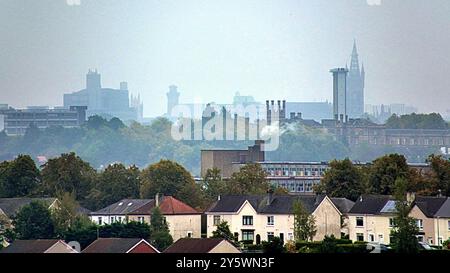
x=372 y=218
x=425 y=211
x=183 y=220
x=442 y=222
x=260 y=218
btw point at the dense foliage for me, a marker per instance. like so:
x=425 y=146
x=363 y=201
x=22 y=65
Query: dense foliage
x=417 y=121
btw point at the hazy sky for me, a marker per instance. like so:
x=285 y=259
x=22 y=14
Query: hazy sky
x=271 y=49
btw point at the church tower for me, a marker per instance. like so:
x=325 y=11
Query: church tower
x=355 y=88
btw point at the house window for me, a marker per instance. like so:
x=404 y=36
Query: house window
x=189 y=234
x=371 y=238
x=270 y=236
x=247 y=220
x=359 y=221
x=120 y=219
x=112 y=220
x=290 y=236
x=216 y=220
x=141 y=220
x=391 y=222
x=448 y=225
x=440 y=241
x=419 y=223
x=270 y=220
x=430 y=240
x=248 y=235
x=359 y=237
x=100 y=220
x=420 y=238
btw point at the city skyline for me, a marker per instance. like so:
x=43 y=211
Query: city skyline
x=255 y=48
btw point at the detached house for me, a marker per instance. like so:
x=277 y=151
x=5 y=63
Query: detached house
x=259 y=218
x=183 y=220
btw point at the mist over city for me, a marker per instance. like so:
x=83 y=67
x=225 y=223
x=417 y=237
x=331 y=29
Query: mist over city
x=224 y=126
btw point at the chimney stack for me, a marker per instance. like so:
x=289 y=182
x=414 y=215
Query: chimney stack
x=157 y=200
x=269 y=197
x=410 y=197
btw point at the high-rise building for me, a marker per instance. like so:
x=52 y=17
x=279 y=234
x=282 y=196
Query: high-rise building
x=105 y=102
x=355 y=86
x=173 y=97
x=340 y=94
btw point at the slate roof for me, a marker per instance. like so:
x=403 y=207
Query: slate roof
x=444 y=211
x=29 y=246
x=10 y=206
x=430 y=205
x=112 y=245
x=191 y=245
x=167 y=204
x=343 y=204
x=280 y=204
x=370 y=204
x=123 y=207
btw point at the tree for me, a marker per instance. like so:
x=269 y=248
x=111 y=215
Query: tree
x=170 y=178
x=223 y=231
x=96 y=122
x=440 y=176
x=34 y=221
x=213 y=184
x=116 y=182
x=159 y=230
x=417 y=121
x=304 y=223
x=274 y=246
x=343 y=179
x=115 y=124
x=68 y=173
x=251 y=179
x=385 y=171
x=65 y=215
x=405 y=229
x=19 y=177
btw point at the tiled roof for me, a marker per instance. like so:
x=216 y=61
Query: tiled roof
x=123 y=207
x=170 y=205
x=429 y=205
x=167 y=204
x=29 y=246
x=370 y=204
x=112 y=245
x=10 y=206
x=279 y=204
x=190 y=245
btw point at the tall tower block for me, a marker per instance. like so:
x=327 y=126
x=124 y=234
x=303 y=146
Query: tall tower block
x=173 y=97
x=340 y=94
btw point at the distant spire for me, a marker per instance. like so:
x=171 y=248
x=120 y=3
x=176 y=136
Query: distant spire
x=354 y=64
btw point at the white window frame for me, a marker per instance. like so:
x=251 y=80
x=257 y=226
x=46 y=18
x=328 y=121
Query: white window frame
x=359 y=218
x=271 y=221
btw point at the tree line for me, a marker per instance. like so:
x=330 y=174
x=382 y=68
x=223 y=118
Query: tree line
x=345 y=179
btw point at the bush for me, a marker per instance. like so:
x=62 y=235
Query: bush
x=353 y=248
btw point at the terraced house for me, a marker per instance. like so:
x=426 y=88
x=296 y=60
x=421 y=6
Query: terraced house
x=183 y=220
x=259 y=218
